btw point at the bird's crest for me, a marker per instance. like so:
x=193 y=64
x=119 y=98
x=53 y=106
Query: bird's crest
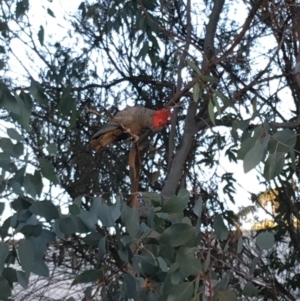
x=161 y=118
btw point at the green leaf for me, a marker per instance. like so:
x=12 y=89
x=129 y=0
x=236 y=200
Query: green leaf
x=129 y=287
x=226 y=101
x=198 y=207
x=256 y=154
x=90 y=218
x=41 y=35
x=21 y=8
x=50 y=12
x=74 y=116
x=220 y=228
x=226 y=295
x=131 y=220
x=38 y=93
x=11 y=275
x=7 y=100
x=52 y=148
x=26 y=255
x=177 y=235
x=45 y=209
x=194 y=67
x=40 y=243
x=66 y=102
x=88 y=276
x=216 y=104
x=5 y=290
x=74 y=209
x=23 y=279
x=5 y=162
x=18 y=150
x=240 y=245
x=274 y=165
x=208 y=78
x=223 y=283
x=211 y=112
x=13 y=134
x=33 y=184
x=67 y=225
x=4 y=250
x=254 y=105
x=2 y=206
x=248 y=142
x=101 y=248
x=153 y=196
x=108 y=214
x=250 y=290
x=265 y=240
x=196 y=92
x=7 y=146
x=144 y=51
x=23 y=117
x=162 y=264
x=180 y=292
x=93 y=239
x=40 y=268
x=188 y=262
x=47 y=170
x=282 y=141
x=207 y=261
x=176 y=204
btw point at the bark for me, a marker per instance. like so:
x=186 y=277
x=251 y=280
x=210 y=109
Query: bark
x=190 y=128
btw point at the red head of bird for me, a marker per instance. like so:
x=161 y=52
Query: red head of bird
x=161 y=118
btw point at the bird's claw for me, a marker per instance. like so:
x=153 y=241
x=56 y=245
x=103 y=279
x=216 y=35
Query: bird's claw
x=135 y=137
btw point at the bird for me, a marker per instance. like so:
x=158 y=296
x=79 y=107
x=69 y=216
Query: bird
x=129 y=123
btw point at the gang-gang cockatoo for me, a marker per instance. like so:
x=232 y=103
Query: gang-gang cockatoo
x=130 y=122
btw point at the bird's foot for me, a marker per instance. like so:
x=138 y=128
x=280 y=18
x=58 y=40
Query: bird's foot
x=135 y=137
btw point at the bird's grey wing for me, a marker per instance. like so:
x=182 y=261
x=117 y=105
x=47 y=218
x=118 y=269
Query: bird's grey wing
x=125 y=117
x=105 y=129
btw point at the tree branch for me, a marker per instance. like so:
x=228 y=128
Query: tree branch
x=190 y=129
x=240 y=36
x=179 y=83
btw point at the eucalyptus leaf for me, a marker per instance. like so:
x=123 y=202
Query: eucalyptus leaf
x=250 y=290
x=26 y=255
x=131 y=220
x=177 y=235
x=274 y=165
x=265 y=240
x=88 y=276
x=176 y=204
x=220 y=228
x=196 y=92
x=4 y=250
x=14 y=134
x=47 y=170
x=256 y=154
x=45 y=209
x=180 y=292
x=41 y=34
x=5 y=290
x=211 y=112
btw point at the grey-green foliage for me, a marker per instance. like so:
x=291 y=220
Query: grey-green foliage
x=270 y=149
x=186 y=246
